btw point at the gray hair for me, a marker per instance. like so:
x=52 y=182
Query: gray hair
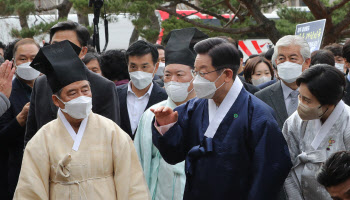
x=292 y=40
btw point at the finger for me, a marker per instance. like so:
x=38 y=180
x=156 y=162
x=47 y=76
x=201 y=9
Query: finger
x=3 y=68
x=12 y=71
x=8 y=69
x=152 y=110
x=160 y=109
x=166 y=109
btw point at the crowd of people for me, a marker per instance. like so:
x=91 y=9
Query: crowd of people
x=187 y=120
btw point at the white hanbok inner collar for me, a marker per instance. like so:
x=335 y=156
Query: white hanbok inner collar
x=327 y=125
x=216 y=115
x=75 y=136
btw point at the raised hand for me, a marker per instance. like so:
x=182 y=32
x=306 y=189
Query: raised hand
x=165 y=115
x=6 y=75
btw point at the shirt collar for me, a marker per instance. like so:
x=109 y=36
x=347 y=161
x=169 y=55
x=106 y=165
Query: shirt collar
x=286 y=90
x=147 y=93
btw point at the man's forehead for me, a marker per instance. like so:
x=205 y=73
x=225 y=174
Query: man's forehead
x=289 y=50
x=76 y=85
x=65 y=35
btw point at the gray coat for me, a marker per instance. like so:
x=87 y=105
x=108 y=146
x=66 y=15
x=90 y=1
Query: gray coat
x=4 y=104
x=273 y=96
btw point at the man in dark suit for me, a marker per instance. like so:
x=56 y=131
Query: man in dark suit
x=292 y=57
x=13 y=122
x=141 y=92
x=105 y=100
x=346 y=56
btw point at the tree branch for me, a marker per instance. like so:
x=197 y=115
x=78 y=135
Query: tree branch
x=336 y=6
x=234 y=10
x=39 y=9
x=343 y=24
x=205 y=11
x=213 y=28
x=345 y=32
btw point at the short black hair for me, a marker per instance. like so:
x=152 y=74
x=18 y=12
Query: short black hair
x=91 y=56
x=141 y=48
x=346 y=51
x=325 y=82
x=335 y=170
x=269 y=53
x=335 y=48
x=114 y=66
x=2 y=46
x=82 y=32
x=240 y=54
x=8 y=54
x=223 y=53
x=158 y=46
x=322 y=56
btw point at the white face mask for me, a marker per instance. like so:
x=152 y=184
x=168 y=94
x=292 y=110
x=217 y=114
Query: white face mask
x=177 y=91
x=204 y=88
x=339 y=66
x=161 y=67
x=26 y=72
x=261 y=80
x=78 y=108
x=289 y=72
x=141 y=79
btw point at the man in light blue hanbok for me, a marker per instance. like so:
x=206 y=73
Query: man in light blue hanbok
x=166 y=181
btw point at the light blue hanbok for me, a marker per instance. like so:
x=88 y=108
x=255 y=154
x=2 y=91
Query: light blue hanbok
x=165 y=181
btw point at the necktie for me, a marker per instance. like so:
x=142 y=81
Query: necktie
x=293 y=105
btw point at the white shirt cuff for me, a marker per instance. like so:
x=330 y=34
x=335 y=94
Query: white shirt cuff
x=163 y=129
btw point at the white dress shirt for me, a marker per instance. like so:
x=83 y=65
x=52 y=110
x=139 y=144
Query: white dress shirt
x=286 y=92
x=136 y=106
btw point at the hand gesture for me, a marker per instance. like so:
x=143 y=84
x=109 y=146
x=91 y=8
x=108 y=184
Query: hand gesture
x=165 y=115
x=23 y=115
x=6 y=75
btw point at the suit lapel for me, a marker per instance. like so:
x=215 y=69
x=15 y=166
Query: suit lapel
x=277 y=100
x=124 y=108
x=154 y=98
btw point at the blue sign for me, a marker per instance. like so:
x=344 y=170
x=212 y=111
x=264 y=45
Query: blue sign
x=312 y=32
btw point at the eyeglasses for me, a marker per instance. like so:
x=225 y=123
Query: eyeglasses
x=194 y=73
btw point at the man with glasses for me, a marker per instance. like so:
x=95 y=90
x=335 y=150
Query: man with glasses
x=140 y=93
x=229 y=139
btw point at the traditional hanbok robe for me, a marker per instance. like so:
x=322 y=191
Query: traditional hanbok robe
x=165 y=181
x=310 y=144
x=247 y=158
x=102 y=164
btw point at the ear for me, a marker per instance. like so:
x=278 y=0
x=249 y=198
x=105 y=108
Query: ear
x=156 y=68
x=229 y=75
x=83 y=52
x=56 y=101
x=307 y=63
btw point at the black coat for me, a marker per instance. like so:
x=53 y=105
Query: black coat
x=12 y=139
x=346 y=97
x=42 y=110
x=158 y=94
